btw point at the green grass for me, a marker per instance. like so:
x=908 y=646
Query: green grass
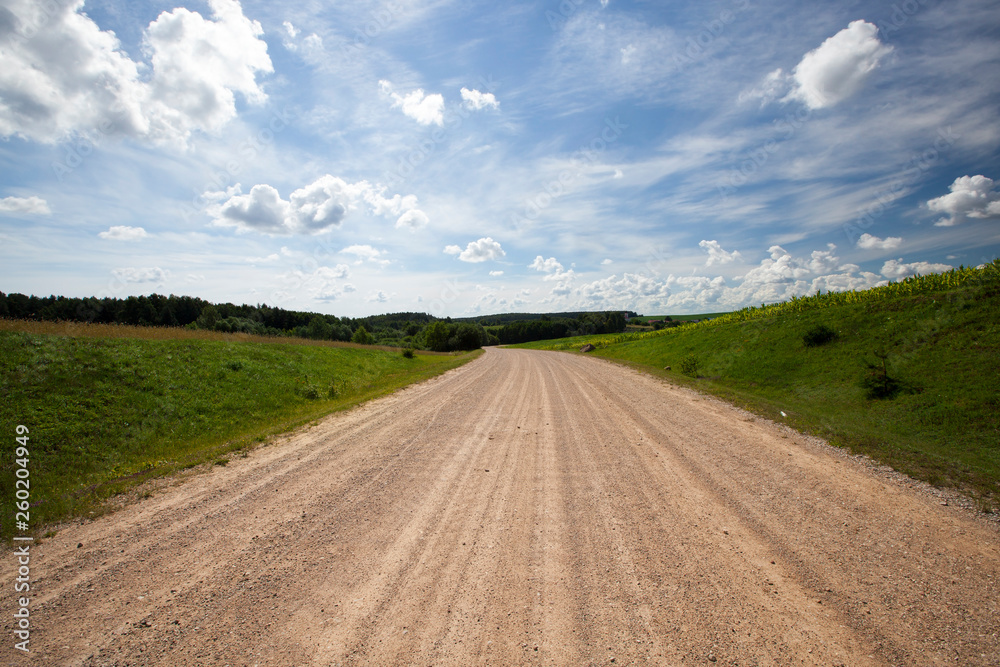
x=105 y=414
x=941 y=346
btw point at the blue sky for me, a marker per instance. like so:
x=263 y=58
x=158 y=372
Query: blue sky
x=465 y=158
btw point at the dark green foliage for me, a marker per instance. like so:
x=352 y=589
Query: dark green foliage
x=408 y=353
x=876 y=381
x=818 y=335
x=361 y=336
x=689 y=365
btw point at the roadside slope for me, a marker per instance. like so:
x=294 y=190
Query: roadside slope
x=527 y=508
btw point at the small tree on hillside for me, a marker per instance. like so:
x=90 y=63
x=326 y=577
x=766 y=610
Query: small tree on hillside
x=361 y=336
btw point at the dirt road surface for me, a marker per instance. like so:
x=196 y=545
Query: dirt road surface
x=529 y=508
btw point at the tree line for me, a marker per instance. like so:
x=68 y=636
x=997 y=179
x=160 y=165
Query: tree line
x=405 y=329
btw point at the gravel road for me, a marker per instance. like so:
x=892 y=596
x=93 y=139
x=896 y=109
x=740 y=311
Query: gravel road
x=529 y=508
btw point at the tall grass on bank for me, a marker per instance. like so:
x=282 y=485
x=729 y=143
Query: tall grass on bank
x=106 y=412
x=905 y=373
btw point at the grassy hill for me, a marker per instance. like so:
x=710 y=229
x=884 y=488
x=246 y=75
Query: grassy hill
x=906 y=373
x=108 y=407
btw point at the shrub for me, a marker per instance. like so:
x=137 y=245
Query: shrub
x=408 y=353
x=689 y=365
x=876 y=381
x=819 y=335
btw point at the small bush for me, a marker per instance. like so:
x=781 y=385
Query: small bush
x=689 y=365
x=310 y=391
x=876 y=381
x=819 y=335
x=408 y=353
x=234 y=365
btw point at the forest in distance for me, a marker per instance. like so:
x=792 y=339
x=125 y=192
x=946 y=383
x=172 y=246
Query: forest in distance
x=405 y=329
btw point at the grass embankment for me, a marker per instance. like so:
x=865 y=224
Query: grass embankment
x=110 y=407
x=940 y=338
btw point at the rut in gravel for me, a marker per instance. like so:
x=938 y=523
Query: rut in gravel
x=527 y=508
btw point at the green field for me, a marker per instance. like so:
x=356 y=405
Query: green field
x=110 y=407
x=940 y=339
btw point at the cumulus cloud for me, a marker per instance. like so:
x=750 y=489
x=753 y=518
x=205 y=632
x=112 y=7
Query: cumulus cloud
x=366 y=253
x=970 y=197
x=496 y=273
x=896 y=268
x=28 y=205
x=73 y=78
x=716 y=255
x=553 y=270
x=549 y=265
x=869 y=242
x=829 y=74
x=622 y=292
x=477 y=101
x=485 y=249
x=425 y=109
x=839 y=67
x=318 y=207
x=124 y=233
x=131 y=274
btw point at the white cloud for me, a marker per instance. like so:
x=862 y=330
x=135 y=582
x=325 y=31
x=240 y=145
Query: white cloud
x=496 y=274
x=318 y=207
x=72 y=77
x=970 y=197
x=413 y=219
x=716 y=255
x=141 y=275
x=485 y=249
x=829 y=74
x=378 y=297
x=477 y=101
x=869 y=242
x=550 y=265
x=366 y=252
x=895 y=268
x=553 y=270
x=623 y=292
x=425 y=109
x=124 y=233
x=30 y=205
x=270 y=259
x=311 y=46
x=839 y=67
